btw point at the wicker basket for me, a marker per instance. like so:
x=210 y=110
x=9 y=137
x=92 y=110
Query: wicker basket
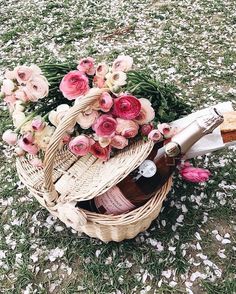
x=67 y=179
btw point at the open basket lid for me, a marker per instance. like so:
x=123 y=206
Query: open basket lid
x=89 y=177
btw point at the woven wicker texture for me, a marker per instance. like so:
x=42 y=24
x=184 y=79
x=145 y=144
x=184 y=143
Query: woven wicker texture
x=78 y=179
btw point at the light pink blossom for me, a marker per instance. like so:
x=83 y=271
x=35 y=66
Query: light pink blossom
x=127 y=128
x=119 y=142
x=86 y=118
x=122 y=63
x=101 y=70
x=10 y=137
x=38 y=124
x=165 y=129
x=155 y=135
x=7 y=87
x=36 y=88
x=105 y=102
x=86 y=65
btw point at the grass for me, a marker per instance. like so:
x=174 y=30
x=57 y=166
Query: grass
x=39 y=254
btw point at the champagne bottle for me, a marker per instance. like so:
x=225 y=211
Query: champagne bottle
x=142 y=183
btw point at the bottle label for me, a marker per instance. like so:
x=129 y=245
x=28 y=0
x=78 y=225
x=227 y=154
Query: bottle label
x=113 y=202
x=147 y=169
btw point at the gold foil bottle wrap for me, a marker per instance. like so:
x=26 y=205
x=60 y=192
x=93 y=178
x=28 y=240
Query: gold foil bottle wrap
x=184 y=140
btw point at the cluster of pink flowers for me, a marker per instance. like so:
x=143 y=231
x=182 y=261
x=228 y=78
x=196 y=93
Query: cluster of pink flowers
x=112 y=122
x=116 y=116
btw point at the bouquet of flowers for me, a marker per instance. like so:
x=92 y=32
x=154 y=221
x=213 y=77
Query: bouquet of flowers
x=130 y=105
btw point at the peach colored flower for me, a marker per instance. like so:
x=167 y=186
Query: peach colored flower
x=86 y=65
x=119 y=142
x=10 y=137
x=26 y=128
x=104 y=142
x=147 y=113
x=101 y=70
x=155 y=135
x=99 y=81
x=36 y=88
x=86 y=118
x=105 y=126
x=74 y=84
x=105 y=102
x=122 y=63
x=43 y=137
x=19 y=151
x=127 y=128
x=55 y=116
x=80 y=145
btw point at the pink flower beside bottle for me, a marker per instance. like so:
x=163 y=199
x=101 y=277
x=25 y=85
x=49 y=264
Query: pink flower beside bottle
x=194 y=174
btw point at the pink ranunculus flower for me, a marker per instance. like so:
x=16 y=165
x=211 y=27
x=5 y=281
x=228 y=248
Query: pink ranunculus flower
x=80 y=145
x=147 y=113
x=194 y=174
x=36 y=88
x=99 y=152
x=20 y=94
x=26 y=143
x=122 y=63
x=101 y=70
x=24 y=73
x=7 y=87
x=105 y=102
x=155 y=135
x=146 y=129
x=127 y=128
x=87 y=118
x=10 y=137
x=74 y=84
x=86 y=65
x=119 y=142
x=36 y=162
x=165 y=129
x=105 y=126
x=38 y=124
x=99 y=81
x=126 y=107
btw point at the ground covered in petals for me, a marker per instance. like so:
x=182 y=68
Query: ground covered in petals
x=191 y=247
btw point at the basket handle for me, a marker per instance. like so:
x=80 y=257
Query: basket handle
x=50 y=194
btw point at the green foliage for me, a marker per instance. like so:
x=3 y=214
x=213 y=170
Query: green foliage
x=168 y=106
